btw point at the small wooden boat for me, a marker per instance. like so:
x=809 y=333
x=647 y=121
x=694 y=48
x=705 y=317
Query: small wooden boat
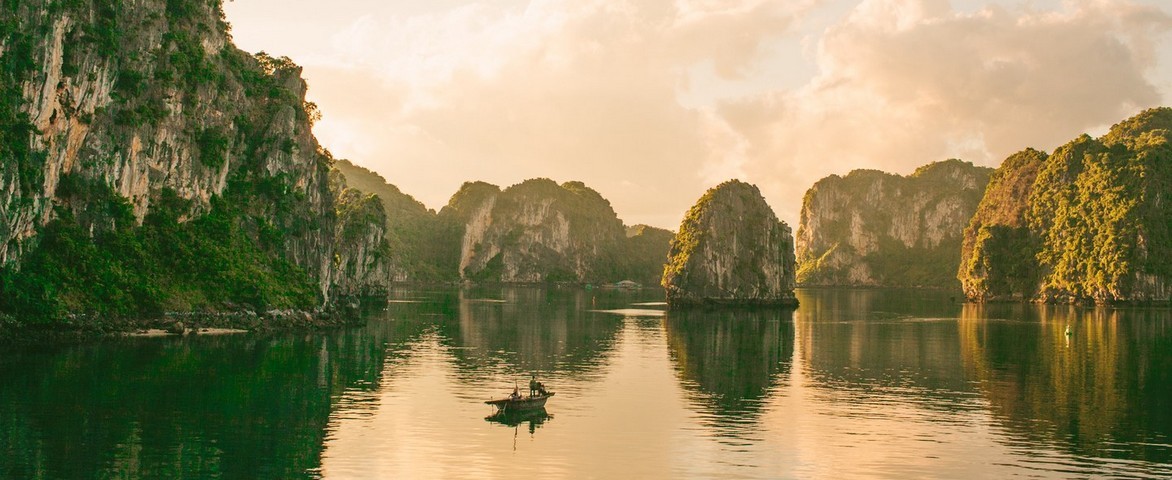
x=521 y=403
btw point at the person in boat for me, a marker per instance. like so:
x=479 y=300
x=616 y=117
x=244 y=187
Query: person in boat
x=540 y=388
x=516 y=395
x=533 y=383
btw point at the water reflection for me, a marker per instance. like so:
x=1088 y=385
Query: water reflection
x=236 y=406
x=1104 y=390
x=883 y=342
x=731 y=359
x=855 y=383
x=521 y=331
x=535 y=418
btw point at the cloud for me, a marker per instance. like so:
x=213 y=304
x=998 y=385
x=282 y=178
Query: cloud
x=902 y=83
x=653 y=101
x=569 y=90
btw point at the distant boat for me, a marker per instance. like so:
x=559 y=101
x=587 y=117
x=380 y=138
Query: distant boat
x=624 y=285
x=521 y=403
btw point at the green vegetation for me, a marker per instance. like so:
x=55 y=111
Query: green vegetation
x=212 y=263
x=213 y=145
x=915 y=266
x=998 y=251
x=731 y=248
x=240 y=249
x=1088 y=223
x=686 y=241
x=643 y=253
x=17 y=63
x=418 y=244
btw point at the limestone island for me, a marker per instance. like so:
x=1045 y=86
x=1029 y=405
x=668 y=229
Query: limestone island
x=731 y=250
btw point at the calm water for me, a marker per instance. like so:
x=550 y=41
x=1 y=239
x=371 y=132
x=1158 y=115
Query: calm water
x=854 y=384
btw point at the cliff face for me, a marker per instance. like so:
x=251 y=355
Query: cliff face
x=1091 y=222
x=361 y=260
x=113 y=112
x=418 y=246
x=998 y=254
x=872 y=228
x=643 y=253
x=731 y=248
x=535 y=231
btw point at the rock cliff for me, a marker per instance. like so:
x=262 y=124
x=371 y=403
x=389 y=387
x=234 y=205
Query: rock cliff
x=418 y=246
x=178 y=171
x=1089 y=223
x=361 y=258
x=872 y=228
x=643 y=254
x=731 y=249
x=998 y=252
x=535 y=231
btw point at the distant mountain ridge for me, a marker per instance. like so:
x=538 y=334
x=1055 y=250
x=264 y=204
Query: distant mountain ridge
x=537 y=231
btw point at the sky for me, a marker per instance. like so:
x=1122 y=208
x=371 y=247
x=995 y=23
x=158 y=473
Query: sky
x=652 y=102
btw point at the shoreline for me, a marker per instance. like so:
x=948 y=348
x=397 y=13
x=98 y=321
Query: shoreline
x=76 y=329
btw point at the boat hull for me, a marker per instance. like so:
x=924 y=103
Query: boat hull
x=524 y=403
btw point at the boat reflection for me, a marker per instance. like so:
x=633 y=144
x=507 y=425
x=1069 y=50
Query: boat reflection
x=535 y=418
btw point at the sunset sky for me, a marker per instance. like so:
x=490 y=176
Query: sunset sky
x=652 y=102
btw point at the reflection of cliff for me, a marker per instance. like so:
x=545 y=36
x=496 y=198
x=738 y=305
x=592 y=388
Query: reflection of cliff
x=532 y=329
x=850 y=339
x=132 y=409
x=1107 y=385
x=733 y=358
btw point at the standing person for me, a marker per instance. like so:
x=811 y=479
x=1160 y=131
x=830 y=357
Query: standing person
x=533 y=385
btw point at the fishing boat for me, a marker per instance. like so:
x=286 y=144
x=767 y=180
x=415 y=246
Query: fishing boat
x=517 y=403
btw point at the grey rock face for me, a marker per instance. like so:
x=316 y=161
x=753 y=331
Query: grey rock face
x=153 y=96
x=536 y=231
x=872 y=228
x=731 y=249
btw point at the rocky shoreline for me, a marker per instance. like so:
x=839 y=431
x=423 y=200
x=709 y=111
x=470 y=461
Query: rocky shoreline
x=84 y=328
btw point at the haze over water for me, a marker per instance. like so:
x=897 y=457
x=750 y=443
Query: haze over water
x=853 y=384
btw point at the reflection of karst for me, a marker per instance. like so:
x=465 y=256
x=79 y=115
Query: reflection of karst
x=1105 y=385
x=881 y=350
x=731 y=358
x=133 y=406
x=535 y=329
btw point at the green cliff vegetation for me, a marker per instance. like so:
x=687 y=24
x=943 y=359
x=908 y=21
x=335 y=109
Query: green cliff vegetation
x=643 y=253
x=99 y=253
x=419 y=246
x=539 y=231
x=1092 y=224
x=731 y=249
x=101 y=263
x=999 y=250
